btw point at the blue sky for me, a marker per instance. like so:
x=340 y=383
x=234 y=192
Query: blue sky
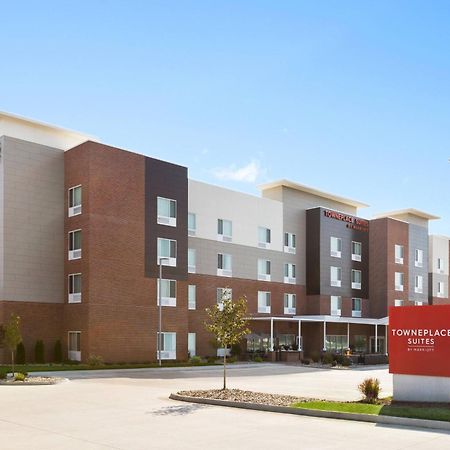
x=349 y=97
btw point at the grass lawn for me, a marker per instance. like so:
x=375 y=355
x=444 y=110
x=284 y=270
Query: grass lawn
x=415 y=412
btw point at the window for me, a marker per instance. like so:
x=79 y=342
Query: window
x=398 y=302
x=356 y=279
x=336 y=305
x=417 y=303
x=335 y=343
x=290 y=304
x=167 y=248
x=224 y=230
x=356 y=307
x=264 y=237
x=191 y=260
x=224 y=265
x=168 y=292
x=336 y=247
x=75 y=201
x=418 y=258
x=168 y=343
x=356 y=251
x=440 y=265
x=418 y=284
x=336 y=276
x=191 y=344
x=192 y=224
x=398 y=281
x=75 y=288
x=290 y=243
x=74 y=244
x=167 y=211
x=360 y=343
x=263 y=270
x=289 y=273
x=263 y=302
x=223 y=294
x=74 y=345
x=441 y=289
x=192 y=296
x=398 y=254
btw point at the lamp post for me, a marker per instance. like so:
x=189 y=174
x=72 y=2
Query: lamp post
x=160 y=260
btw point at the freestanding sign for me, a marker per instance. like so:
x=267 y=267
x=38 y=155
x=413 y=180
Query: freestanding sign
x=419 y=352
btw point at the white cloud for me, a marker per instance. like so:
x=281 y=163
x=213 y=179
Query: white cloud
x=248 y=173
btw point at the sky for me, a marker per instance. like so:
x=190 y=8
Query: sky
x=350 y=97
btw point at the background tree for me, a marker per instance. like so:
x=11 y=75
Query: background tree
x=227 y=322
x=12 y=336
x=39 y=352
x=20 y=353
x=58 y=356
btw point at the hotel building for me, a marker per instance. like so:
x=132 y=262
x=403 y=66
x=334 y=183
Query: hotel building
x=84 y=227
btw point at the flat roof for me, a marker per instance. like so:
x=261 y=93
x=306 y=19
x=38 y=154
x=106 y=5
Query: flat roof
x=39 y=123
x=407 y=211
x=313 y=191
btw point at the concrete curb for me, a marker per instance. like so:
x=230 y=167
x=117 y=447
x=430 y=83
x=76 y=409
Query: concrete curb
x=386 y=420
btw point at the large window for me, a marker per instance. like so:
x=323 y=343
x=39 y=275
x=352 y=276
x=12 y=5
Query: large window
x=335 y=246
x=192 y=296
x=263 y=302
x=360 y=343
x=168 y=343
x=336 y=276
x=192 y=267
x=418 y=284
x=289 y=273
x=224 y=267
x=264 y=237
x=224 y=230
x=74 y=244
x=290 y=304
x=75 y=288
x=167 y=211
x=264 y=269
x=168 y=292
x=192 y=224
x=191 y=344
x=167 y=248
x=290 y=243
x=356 y=307
x=399 y=254
x=398 y=281
x=74 y=345
x=336 y=305
x=356 y=251
x=335 y=343
x=74 y=201
x=356 y=279
x=418 y=258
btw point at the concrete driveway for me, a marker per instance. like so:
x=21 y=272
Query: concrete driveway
x=130 y=410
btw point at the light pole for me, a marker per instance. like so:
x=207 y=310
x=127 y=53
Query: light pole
x=158 y=344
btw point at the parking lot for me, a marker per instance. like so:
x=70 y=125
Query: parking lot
x=130 y=409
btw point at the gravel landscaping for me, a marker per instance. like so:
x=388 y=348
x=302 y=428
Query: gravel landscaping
x=237 y=395
x=30 y=381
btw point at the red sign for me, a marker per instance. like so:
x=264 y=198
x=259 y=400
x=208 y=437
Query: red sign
x=419 y=340
x=355 y=223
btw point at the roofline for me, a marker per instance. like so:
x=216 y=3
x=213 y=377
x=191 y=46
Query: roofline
x=48 y=125
x=411 y=211
x=313 y=191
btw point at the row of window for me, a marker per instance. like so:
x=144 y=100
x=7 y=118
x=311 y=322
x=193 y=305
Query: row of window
x=336 y=248
x=399 y=282
x=336 y=306
x=336 y=277
x=399 y=255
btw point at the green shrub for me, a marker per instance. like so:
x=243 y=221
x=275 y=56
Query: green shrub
x=39 y=352
x=370 y=389
x=195 y=360
x=211 y=359
x=236 y=350
x=95 y=361
x=339 y=358
x=20 y=376
x=20 y=353
x=232 y=359
x=327 y=358
x=346 y=361
x=258 y=359
x=306 y=362
x=315 y=356
x=57 y=352
x=334 y=363
x=3 y=373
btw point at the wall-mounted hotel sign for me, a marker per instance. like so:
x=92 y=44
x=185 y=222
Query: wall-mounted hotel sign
x=355 y=223
x=419 y=340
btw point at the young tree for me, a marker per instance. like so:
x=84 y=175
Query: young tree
x=228 y=324
x=12 y=336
